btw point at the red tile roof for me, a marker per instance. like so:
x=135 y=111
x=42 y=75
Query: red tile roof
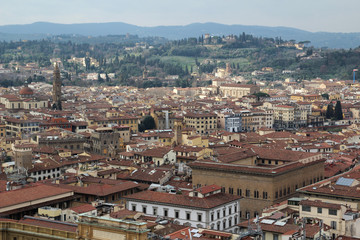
x=40 y=222
x=321 y=204
x=183 y=200
x=208 y=189
x=83 y=208
x=28 y=194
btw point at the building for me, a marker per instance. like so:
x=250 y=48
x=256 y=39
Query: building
x=262 y=176
x=164 y=118
x=105 y=141
x=284 y=117
x=205 y=207
x=255 y=119
x=59 y=138
x=336 y=202
x=16 y=127
x=56 y=94
x=202 y=122
x=158 y=156
x=25 y=201
x=24 y=100
x=238 y=90
x=103 y=121
x=36 y=228
x=100 y=227
x=23 y=155
x=233 y=122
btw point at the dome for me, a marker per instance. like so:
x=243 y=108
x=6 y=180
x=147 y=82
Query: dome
x=26 y=91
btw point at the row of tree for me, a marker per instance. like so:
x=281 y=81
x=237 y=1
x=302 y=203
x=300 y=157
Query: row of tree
x=334 y=113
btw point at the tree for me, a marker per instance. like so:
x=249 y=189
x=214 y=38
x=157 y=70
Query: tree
x=330 y=111
x=100 y=79
x=147 y=122
x=338 y=111
x=260 y=95
x=325 y=96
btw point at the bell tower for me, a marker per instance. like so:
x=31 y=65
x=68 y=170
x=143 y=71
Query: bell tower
x=56 y=94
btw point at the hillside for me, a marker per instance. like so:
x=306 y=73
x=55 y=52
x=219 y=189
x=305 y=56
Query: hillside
x=40 y=30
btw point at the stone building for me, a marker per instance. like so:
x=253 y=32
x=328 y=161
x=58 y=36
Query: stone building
x=238 y=90
x=105 y=141
x=261 y=178
x=205 y=207
x=202 y=122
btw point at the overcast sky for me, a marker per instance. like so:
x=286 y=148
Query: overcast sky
x=311 y=15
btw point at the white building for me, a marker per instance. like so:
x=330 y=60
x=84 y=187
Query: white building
x=205 y=207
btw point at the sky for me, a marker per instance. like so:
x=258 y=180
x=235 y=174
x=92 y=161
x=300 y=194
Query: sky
x=310 y=15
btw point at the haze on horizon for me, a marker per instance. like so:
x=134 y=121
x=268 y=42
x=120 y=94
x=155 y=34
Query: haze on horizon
x=310 y=15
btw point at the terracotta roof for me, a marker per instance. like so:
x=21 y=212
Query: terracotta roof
x=208 y=189
x=26 y=91
x=183 y=200
x=321 y=204
x=83 y=208
x=268 y=170
x=100 y=189
x=62 y=226
x=28 y=194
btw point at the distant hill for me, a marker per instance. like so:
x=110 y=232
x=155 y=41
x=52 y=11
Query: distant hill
x=41 y=30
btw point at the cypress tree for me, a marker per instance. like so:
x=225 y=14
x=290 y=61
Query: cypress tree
x=330 y=111
x=338 y=111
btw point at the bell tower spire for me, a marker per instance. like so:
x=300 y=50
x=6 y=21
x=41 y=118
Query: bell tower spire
x=56 y=94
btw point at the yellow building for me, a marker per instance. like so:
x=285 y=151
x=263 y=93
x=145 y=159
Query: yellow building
x=202 y=122
x=284 y=116
x=238 y=90
x=128 y=120
x=305 y=98
x=195 y=140
x=36 y=228
x=91 y=227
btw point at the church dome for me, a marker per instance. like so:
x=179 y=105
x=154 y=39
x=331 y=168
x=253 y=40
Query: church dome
x=26 y=91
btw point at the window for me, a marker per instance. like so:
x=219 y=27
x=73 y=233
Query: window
x=319 y=210
x=265 y=195
x=275 y=237
x=218 y=214
x=166 y=212
x=256 y=194
x=333 y=224
x=231 y=190
x=333 y=212
x=176 y=214
x=134 y=207
x=230 y=210
x=144 y=209
x=188 y=216
x=306 y=208
x=199 y=217
x=239 y=192
x=247 y=193
x=212 y=216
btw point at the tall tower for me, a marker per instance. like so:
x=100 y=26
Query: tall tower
x=56 y=95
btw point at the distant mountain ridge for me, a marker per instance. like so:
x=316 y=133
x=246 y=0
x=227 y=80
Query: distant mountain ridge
x=39 y=30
